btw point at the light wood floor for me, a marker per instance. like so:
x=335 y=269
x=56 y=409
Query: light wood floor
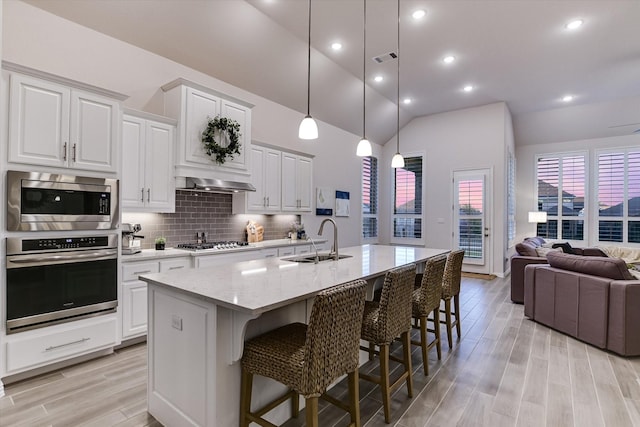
x=505 y=371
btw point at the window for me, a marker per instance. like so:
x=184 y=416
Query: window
x=407 y=196
x=619 y=196
x=511 y=198
x=561 y=194
x=369 y=197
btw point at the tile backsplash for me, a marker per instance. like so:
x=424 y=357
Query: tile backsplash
x=208 y=212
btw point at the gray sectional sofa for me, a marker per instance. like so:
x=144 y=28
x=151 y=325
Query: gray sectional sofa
x=527 y=253
x=594 y=299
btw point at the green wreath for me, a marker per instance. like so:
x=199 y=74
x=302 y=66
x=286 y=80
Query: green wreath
x=226 y=129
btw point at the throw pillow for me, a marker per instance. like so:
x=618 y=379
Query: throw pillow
x=526 y=248
x=542 y=252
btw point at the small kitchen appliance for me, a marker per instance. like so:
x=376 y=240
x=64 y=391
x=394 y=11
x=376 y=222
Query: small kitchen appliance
x=130 y=240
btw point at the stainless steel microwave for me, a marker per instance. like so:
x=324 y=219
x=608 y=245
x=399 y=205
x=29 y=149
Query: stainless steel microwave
x=46 y=201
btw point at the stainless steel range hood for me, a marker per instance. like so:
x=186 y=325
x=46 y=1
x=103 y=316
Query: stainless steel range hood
x=215 y=185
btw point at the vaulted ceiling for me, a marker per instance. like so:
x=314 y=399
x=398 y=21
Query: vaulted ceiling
x=516 y=51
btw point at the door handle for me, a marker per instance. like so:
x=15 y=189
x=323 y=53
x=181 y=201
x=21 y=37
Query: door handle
x=74 y=153
x=148 y=195
x=142 y=195
x=64 y=152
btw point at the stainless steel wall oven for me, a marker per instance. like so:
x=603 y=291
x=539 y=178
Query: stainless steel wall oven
x=59 y=279
x=46 y=201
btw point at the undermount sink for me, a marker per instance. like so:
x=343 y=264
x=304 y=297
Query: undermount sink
x=312 y=258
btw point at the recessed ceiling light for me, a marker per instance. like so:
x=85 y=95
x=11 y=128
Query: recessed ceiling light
x=468 y=88
x=567 y=98
x=378 y=79
x=574 y=24
x=418 y=14
x=407 y=100
x=336 y=45
x=448 y=59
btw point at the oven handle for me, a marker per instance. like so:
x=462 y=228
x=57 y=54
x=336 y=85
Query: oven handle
x=57 y=259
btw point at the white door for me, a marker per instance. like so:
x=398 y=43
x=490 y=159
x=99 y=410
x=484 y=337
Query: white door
x=133 y=142
x=303 y=183
x=159 y=176
x=272 y=179
x=256 y=200
x=472 y=217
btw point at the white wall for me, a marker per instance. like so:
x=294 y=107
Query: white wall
x=43 y=41
x=473 y=138
x=526 y=173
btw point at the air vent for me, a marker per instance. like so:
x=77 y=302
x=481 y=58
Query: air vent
x=386 y=57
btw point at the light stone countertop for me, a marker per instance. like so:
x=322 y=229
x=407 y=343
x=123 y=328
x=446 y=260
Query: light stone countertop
x=261 y=285
x=150 y=254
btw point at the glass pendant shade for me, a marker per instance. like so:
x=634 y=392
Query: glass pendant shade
x=364 y=148
x=397 y=161
x=308 y=128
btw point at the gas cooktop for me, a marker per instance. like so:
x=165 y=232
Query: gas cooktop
x=211 y=245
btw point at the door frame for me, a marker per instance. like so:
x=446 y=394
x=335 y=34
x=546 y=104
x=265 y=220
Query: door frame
x=487 y=172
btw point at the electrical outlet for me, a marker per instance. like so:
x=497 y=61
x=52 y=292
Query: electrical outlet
x=176 y=322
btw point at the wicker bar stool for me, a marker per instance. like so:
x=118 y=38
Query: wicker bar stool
x=426 y=300
x=308 y=358
x=384 y=321
x=451 y=290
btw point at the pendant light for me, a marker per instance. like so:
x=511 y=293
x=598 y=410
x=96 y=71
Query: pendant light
x=398 y=161
x=308 y=128
x=364 y=146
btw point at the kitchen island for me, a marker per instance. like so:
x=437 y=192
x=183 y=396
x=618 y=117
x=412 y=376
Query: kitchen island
x=198 y=320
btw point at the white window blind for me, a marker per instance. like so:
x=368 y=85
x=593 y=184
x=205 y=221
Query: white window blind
x=407 y=208
x=369 y=197
x=511 y=199
x=471 y=217
x=619 y=196
x=561 y=194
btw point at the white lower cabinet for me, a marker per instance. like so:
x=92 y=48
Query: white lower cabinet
x=286 y=250
x=134 y=292
x=303 y=249
x=33 y=349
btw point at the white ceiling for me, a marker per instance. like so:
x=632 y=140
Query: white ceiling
x=516 y=51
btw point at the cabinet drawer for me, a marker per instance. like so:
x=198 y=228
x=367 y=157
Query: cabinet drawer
x=42 y=348
x=174 y=264
x=130 y=271
x=304 y=249
x=286 y=251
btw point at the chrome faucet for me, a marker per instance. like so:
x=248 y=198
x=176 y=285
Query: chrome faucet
x=317 y=258
x=334 y=250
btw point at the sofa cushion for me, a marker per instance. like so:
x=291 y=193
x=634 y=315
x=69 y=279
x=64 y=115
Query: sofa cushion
x=527 y=248
x=566 y=247
x=542 y=251
x=612 y=268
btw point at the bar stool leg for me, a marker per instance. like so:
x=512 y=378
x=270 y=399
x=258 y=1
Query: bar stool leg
x=456 y=302
x=447 y=310
x=245 y=397
x=372 y=349
x=423 y=343
x=384 y=381
x=406 y=349
x=354 y=398
x=312 y=412
x=295 y=404
x=436 y=331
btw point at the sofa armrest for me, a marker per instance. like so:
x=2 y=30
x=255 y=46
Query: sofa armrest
x=624 y=317
x=518 y=263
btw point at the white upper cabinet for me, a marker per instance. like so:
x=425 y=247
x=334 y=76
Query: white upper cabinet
x=266 y=177
x=192 y=105
x=297 y=184
x=52 y=124
x=282 y=181
x=148 y=182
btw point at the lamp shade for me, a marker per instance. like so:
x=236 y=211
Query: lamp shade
x=308 y=128
x=537 y=217
x=364 y=148
x=397 y=161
